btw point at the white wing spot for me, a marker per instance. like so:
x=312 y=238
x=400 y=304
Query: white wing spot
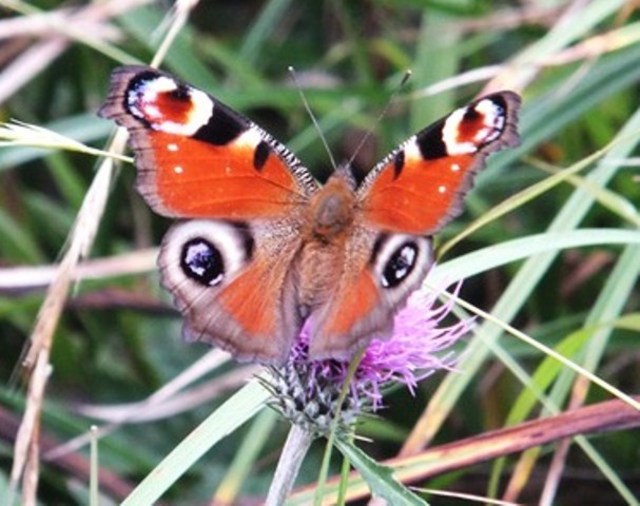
x=178 y=170
x=455 y=167
x=411 y=149
x=172 y=147
x=493 y=114
x=442 y=189
x=143 y=100
x=250 y=138
x=150 y=111
x=493 y=119
x=450 y=132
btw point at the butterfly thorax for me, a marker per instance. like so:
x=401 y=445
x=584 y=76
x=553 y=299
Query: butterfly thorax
x=332 y=210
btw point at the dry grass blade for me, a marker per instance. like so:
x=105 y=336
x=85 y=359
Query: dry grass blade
x=40 y=24
x=19 y=133
x=30 y=62
x=27 y=434
x=37 y=356
x=20 y=279
x=180 y=16
x=558 y=464
x=74 y=464
x=514 y=18
x=172 y=406
x=606 y=416
x=166 y=402
x=82 y=236
x=467 y=497
x=471 y=76
x=595 y=46
x=58 y=30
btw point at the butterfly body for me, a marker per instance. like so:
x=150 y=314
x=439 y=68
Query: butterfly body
x=262 y=249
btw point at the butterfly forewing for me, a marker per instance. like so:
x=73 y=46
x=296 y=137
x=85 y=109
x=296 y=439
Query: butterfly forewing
x=197 y=157
x=419 y=187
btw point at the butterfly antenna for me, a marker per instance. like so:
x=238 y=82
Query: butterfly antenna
x=383 y=113
x=292 y=71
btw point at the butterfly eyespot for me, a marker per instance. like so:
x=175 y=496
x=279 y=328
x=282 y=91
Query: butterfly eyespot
x=400 y=265
x=203 y=262
x=204 y=253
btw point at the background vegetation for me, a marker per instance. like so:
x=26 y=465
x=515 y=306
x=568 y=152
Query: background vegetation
x=557 y=255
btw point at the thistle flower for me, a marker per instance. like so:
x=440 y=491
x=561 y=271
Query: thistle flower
x=307 y=391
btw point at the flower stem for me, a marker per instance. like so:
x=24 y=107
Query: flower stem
x=295 y=448
x=324 y=469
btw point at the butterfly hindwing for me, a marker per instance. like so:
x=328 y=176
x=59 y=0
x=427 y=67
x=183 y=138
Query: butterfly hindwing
x=419 y=187
x=197 y=157
x=371 y=288
x=229 y=288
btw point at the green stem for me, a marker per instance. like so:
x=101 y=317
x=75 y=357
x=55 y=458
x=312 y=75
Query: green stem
x=326 y=459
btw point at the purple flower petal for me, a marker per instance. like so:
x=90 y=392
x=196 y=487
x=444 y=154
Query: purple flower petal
x=409 y=356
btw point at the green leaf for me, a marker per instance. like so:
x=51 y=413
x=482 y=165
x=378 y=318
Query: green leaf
x=497 y=255
x=222 y=422
x=379 y=478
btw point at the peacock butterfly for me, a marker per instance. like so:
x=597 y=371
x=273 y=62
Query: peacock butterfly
x=261 y=247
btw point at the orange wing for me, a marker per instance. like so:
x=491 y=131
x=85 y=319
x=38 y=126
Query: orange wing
x=197 y=157
x=369 y=291
x=419 y=187
x=232 y=282
x=348 y=319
